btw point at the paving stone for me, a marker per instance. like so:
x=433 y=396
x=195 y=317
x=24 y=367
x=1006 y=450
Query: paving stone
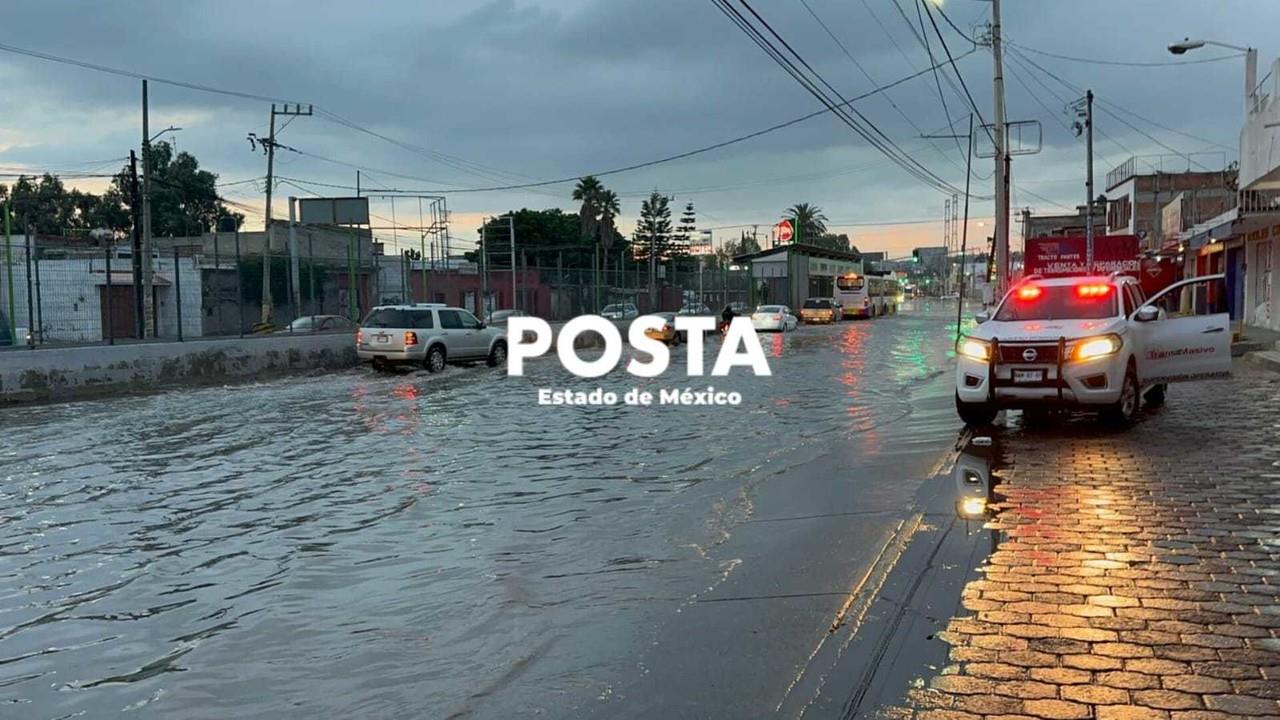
x=1137 y=574
x=1167 y=699
x=1057 y=709
x=1128 y=680
x=1062 y=676
x=1095 y=694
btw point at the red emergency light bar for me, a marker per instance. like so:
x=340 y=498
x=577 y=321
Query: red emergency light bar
x=1093 y=291
x=1029 y=292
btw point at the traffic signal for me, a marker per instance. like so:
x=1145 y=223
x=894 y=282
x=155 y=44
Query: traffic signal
x=915 y=255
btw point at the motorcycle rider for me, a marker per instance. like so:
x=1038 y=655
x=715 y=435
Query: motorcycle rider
x=726 y=316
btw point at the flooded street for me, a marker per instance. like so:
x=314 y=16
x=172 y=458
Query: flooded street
x=361 y=545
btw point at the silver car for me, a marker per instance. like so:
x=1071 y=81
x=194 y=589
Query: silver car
x=427 y=334
x=620 y=311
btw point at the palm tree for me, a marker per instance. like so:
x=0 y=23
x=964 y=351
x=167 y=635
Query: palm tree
x=588 y=191
x=810 y=223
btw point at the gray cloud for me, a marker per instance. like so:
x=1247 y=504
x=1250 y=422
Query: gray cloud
x=549 y=89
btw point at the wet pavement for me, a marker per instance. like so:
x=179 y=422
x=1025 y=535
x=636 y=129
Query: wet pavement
x=356 y=545
x=1135 y=574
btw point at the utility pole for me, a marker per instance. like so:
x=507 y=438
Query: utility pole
x=484 y=270
x=1088 y=125
x=1002 y=161
x=147 y=301
x=294 y=268
x=135 y=210
x=511 y=232
x=269 y=145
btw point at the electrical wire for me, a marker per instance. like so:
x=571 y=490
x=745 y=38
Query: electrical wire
x=861 y=125
x=1123 y=63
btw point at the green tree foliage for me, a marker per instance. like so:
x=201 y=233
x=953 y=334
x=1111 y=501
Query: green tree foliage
x=809 y=222
x=184 y=198
x=184 y=201
x=684 y=233
x=51 y=209
x=598 y=213
x=833 y=242
x=653 y=231
x=542 y=236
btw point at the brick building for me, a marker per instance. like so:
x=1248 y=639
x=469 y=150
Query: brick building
x=1138 y=190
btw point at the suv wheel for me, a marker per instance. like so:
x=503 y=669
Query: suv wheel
x=498 y=355
x=435 y=359
x=975 y=413
x=1124 y=409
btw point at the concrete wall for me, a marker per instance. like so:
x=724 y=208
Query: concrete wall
x=74 y=373
x=1260 y=135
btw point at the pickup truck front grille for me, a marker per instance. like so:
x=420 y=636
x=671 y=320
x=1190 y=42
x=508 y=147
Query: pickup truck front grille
x=1032 y=354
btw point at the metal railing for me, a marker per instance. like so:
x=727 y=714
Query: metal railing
x=69 y=294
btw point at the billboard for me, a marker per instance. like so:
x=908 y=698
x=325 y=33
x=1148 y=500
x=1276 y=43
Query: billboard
x=1061 y=256
x=334 y=211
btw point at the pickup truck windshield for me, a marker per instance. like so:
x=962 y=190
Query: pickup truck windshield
x=1057 y=302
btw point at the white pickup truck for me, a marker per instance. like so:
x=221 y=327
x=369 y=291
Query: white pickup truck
x=1091 y=343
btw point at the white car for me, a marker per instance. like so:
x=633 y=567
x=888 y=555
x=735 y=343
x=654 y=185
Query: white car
x=775 y=318
x=620 y=311
x=1091 y=343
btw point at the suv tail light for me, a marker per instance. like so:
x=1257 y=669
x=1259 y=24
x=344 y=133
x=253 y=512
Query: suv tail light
x=410 y=338
x=360 y=337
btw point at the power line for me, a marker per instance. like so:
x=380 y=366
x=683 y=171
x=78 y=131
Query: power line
x=1123 y=63
x=862 y=126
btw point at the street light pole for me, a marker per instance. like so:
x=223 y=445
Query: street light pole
x=1002 y=164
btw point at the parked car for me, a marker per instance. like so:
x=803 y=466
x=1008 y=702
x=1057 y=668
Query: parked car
x=667 y=333
x=776 y=318
x=620 y=311
x=427 y=334
x=820 y=310
x=740 y=308
x=320 y=323
x=499 y=317
x=1091 y=343
x=699 y=309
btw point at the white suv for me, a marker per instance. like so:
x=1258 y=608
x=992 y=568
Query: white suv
x=1091 y=343
x=428 y=334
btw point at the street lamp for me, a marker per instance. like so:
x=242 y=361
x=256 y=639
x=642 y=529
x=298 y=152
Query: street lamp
x=170 y=129
x=1250 y=61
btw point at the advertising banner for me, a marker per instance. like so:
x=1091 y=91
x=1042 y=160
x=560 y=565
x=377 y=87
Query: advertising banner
x=1061 y=256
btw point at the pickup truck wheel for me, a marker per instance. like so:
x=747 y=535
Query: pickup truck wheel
x=1124 y=409
x=435 y=359
x=1155 y=394
x=975 y=413
x=498 y=355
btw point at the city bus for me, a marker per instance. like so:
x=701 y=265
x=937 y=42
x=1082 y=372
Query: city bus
x=867 y=295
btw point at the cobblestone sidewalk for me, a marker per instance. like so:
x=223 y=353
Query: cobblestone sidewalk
x=1137 y=573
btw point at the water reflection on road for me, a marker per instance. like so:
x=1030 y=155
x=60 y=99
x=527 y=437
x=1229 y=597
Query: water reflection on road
x=357 y=545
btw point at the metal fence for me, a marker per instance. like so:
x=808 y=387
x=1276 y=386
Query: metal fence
x=58 y=293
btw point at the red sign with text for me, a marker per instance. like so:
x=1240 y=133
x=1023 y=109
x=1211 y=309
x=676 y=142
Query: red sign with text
x=1062 y=256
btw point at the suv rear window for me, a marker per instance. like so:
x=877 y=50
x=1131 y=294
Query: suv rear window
x=393 y=318
x=1056 y=302
x=818 y=304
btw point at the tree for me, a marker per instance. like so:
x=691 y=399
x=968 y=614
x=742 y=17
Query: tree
x=653 y=232
x=744 y=245
x=184 y=198
x=541 y=235
x=810 y=224
x=588 y=191
x=832 y=241
x=684 y=233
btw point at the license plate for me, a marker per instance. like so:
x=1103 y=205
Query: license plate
x=1028 y=376
x=382 y=339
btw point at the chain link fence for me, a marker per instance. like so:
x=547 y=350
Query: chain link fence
x=59 y=292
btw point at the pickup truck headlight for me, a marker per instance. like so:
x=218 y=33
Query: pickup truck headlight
x=1096 y=347
x=974 y=349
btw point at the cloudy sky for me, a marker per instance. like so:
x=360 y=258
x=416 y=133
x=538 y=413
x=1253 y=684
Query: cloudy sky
x=491 y=93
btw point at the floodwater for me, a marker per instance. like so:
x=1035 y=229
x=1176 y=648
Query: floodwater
x=361 y=545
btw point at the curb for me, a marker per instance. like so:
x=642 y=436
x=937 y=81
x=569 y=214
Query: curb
x=1266 y=359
